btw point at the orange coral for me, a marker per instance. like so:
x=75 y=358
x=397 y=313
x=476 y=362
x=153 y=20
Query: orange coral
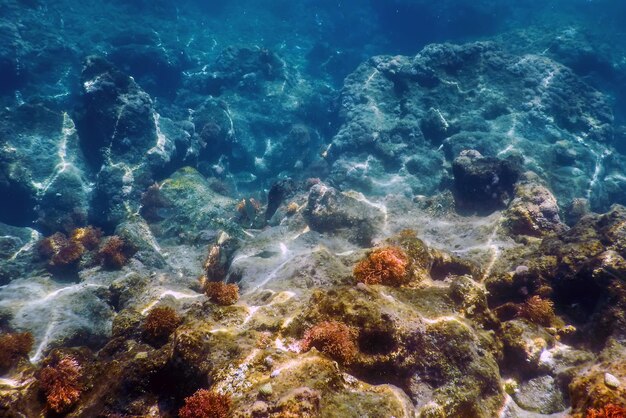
x=161 y=322
x=607 y=411
x=14 y=346
x=538 y=310
x=333 y=338
x=222 y=293
x=386 y=265
x=61 y=384
x=113 y=253
x=89 y=237
x=206 y=404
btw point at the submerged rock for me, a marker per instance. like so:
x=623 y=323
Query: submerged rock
x=42 y=169
x=329 y=210
x=402 y=112
x=484 y=183
x=533 y=211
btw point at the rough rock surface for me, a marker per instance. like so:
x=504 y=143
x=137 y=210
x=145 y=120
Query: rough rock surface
x=413 y=115
x=215 y=156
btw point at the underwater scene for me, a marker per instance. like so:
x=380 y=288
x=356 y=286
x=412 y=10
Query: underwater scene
x=313 y=208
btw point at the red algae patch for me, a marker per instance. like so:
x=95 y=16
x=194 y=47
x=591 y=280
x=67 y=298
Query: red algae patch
x=386 y=266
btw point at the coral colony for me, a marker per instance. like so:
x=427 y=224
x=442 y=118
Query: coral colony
x=304 y=208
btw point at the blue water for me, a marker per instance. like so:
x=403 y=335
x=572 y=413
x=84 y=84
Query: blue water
x=185 y=126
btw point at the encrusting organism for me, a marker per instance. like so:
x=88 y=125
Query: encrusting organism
x=333 y=338
x=386 y=266
x=61 y=383
x=206 y=404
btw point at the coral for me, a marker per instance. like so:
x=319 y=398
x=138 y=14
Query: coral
x=89 y=237
x=161 y=322
x=222 y=293
x=206 y=404
x=607 y=411
x=538 y=310
x=113 y=253
x=333 y=338
x=61 y=384
x=386 y=265
x=14 y=346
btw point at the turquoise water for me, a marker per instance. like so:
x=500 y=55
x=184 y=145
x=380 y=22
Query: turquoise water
x=308 y=208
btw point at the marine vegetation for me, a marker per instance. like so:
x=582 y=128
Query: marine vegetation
x=114 y=253
x=538 y=310
x=386 y=266
x=160 y=323
x=222 y=293
x=206 y=404
x=89 y=237
x=61 y=383
x=334 y=339
x=61 y=252
x=607 y=411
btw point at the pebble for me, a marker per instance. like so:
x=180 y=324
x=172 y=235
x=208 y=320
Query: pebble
x=611 y=381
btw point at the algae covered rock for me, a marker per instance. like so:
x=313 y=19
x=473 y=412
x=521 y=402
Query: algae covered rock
x=329 y=210
x=440 y=359
x=193 y=207
x=541 y=395
x=390 y=118
x=533 y=211
x=42 y=168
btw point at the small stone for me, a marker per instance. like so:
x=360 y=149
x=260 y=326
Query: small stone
x=275 y=373
x=269 y=362
x=611 y=381
x=266 y=390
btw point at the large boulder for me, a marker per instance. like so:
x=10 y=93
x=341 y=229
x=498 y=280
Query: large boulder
x=42 y=169
x=414 y=115
x=483 y=183
x=350 y=215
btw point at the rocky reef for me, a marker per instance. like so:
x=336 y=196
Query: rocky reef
x=198 y=225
